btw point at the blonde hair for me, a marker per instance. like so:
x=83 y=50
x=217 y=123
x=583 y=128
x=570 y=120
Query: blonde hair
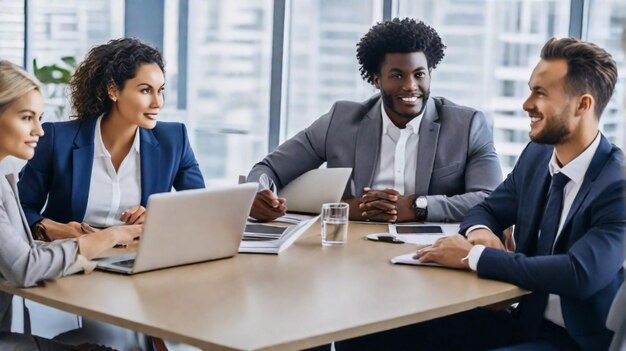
x=14 y=82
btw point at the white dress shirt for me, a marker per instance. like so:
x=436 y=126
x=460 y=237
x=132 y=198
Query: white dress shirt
x=397 y=162
x=575 y=170
x=111 y=192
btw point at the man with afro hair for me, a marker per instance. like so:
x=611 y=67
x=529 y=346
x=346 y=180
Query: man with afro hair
x=414 y=157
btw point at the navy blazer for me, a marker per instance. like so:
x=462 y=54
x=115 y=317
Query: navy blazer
x=60 y=172
x=585 y=268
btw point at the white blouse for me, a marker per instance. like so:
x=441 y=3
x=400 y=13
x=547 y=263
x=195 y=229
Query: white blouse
x=111 y=192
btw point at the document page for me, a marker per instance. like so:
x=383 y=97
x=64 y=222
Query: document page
x=408 y=259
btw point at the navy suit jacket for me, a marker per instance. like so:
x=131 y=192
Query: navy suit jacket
x=60 y=172
x=585 y=268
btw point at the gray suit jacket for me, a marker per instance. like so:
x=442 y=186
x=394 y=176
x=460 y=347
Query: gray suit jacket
x=23 y=261
x=457 y=166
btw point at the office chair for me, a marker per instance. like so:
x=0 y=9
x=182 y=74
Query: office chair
x=616 y=320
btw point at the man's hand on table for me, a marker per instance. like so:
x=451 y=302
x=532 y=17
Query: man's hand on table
x=385 y=206
x=482 y=236
x=450 y=251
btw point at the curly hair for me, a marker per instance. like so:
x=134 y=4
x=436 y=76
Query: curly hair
x=112 y=63
x=397 y=36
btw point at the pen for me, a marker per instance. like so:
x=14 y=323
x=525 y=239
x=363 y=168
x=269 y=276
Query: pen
x=390 y=239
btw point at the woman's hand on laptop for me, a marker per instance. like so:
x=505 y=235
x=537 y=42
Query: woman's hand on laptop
x=135 y=215
x=267 y=207
x=126 y=234
x=96 y=243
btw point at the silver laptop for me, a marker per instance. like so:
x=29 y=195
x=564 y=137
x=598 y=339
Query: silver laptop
x=188 y=227
x=308 y=192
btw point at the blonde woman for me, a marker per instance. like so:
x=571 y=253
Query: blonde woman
x=23 y=261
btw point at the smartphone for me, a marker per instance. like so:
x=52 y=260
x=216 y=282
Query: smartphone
x=419 y=229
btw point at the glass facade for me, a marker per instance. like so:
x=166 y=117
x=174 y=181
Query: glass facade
x=12 y=22
x=322 y=57
x=607 y=28
x=219 y=80
x=229 y=64
x=492 y=47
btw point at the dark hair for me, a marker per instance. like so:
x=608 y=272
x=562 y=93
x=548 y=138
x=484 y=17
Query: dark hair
x=112 y=63
x=590 y=69
x=397 y=36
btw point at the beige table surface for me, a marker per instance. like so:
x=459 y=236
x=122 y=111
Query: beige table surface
x=306 y=296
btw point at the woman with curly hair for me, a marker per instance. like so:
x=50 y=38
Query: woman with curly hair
x=25 y=262
x=99 y=169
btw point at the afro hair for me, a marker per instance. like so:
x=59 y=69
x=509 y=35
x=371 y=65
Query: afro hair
x=397 y=36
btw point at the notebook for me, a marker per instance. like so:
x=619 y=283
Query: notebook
x=187 y=227
x=270 y=239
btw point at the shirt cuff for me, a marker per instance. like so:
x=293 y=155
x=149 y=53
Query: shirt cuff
x=81 y=264
x=474 y=256
x=474 y=227
x=265 y=182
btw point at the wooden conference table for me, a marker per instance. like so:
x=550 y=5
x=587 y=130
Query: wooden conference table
x=308 y=295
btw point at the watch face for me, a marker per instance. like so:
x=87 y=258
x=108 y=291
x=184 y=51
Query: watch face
x=421 y=202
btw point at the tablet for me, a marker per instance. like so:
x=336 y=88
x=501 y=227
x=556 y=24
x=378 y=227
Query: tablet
x=418 y=229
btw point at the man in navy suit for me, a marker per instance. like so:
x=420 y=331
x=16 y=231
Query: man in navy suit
x=565 y=197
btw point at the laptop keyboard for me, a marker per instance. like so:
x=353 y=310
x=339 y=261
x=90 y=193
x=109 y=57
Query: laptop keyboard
x=126 y=263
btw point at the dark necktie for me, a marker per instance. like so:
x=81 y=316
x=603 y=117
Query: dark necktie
x=533 y=306
x=552 y=215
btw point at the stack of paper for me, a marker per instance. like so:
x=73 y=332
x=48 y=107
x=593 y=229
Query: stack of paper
x=294 y=218
x=262 y=232
x=408 y=259
x=261 y=238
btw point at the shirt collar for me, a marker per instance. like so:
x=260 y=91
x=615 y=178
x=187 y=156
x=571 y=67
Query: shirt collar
x=100 y=150
x=413 y=125
x=575 y=170
x=136 y=142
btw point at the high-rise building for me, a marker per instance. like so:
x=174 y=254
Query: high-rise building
x=607 y=28
x=229 y=64
x=322 y=57
x=12 y=31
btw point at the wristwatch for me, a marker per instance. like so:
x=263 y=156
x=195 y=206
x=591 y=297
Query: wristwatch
x=421 y=208
x=39 y=232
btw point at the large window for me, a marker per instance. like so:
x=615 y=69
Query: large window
x=223 y=82
x=492 y=49
x=607 y=28
x=322 y=61
x=69 y=28
x=229 y=54
x=12 y=31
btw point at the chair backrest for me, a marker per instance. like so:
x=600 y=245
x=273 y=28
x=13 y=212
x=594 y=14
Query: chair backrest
x=616 y=320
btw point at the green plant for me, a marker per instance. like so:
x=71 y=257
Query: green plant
x=55 y=78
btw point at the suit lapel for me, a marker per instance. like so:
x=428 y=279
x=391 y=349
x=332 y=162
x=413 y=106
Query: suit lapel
x=82 y=165
x=427 y=147
x=150 y=160
x=13 y=183
x=595 y=167
x=367 y=148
